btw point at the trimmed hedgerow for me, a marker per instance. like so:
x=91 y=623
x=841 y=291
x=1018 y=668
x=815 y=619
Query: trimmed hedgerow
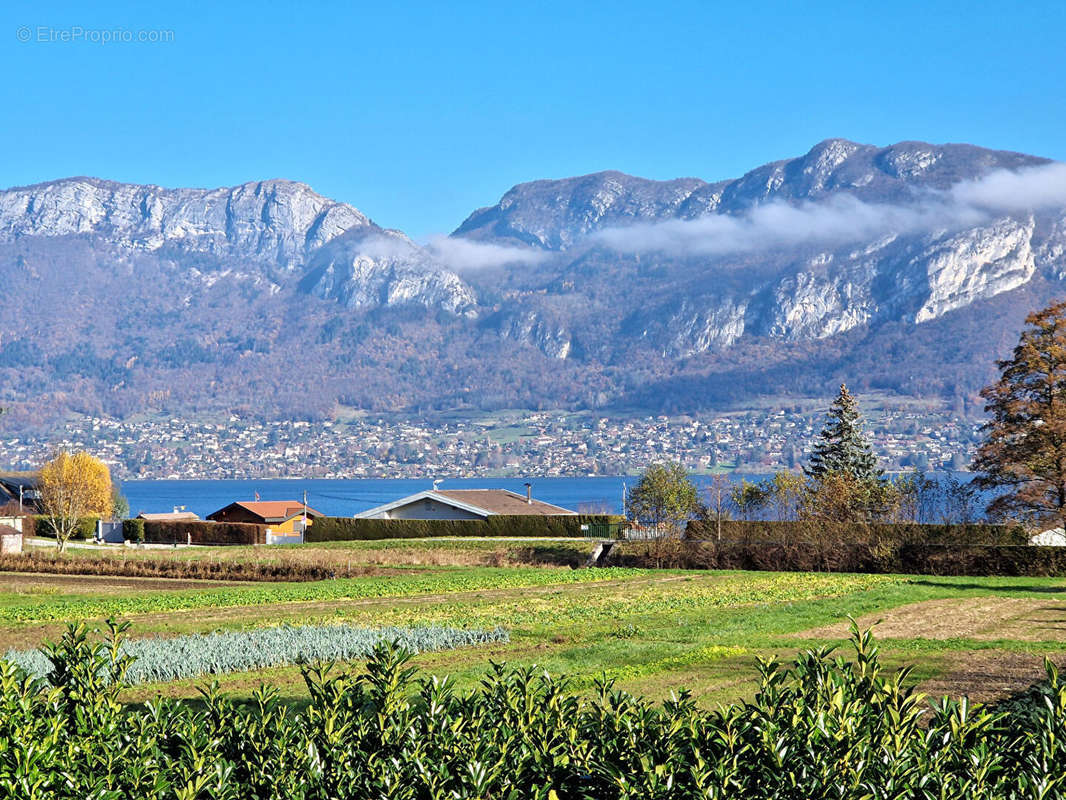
x=203 y=532
x=816 y=530
x=133 y=530
x=329 y=529
x=843 y=556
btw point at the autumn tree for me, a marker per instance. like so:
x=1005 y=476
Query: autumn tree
x=664 y=497
x=73 y=486
x=716 y=509
x=780 y=498
x=1024 y=450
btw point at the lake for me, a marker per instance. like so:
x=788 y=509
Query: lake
x=343 y=498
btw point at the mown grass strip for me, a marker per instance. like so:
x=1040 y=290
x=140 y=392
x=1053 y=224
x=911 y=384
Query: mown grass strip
x=702 y=655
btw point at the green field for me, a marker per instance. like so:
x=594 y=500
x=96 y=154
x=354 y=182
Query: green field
x=653 y=631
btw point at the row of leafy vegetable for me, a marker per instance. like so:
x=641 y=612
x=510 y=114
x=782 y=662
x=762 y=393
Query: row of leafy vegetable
x=195 y=655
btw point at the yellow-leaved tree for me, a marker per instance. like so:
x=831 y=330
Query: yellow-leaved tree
x=73 y=486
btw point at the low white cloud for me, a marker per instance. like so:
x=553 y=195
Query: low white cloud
x=843 y=218
x=388 y=245
x=464 y=255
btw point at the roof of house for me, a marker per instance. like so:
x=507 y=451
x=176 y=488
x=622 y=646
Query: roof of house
x=11 y=485
x=168 y=516
x=8 y=530
x=502 y=501
x=272 y=510
x=483 y=502
x=25 y=481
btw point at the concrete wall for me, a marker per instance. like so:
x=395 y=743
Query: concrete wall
x=110 y=530
x=275 y=537
x=10 y=543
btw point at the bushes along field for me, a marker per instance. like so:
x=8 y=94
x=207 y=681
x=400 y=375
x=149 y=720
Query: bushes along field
x=818 y=728
x=830 y=555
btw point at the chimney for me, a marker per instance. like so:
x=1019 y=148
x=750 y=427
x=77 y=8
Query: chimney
x=529 y=493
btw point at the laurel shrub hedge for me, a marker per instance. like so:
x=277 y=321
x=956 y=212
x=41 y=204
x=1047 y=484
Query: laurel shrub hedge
x=821 y=726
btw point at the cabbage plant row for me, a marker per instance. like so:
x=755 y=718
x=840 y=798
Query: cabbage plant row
x=820 y=728
x=218 y=653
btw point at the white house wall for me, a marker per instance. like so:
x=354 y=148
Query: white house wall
x=429 y=509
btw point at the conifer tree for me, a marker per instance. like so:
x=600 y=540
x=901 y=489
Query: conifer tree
x=842 y=448
x=1023 y=455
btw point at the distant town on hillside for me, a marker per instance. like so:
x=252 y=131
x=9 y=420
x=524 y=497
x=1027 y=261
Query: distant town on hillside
x=540 y=443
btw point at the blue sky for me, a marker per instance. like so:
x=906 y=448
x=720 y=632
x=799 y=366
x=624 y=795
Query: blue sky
x=419 y=112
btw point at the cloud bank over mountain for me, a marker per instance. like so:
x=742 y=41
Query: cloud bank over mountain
x=843 y=219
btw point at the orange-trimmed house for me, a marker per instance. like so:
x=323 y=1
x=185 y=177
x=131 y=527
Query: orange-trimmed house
x=282 y=517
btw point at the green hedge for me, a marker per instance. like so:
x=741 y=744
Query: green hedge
x=332 y=529
x=204 y=533
x=836 y=556
x=42 y=526
x=819 y=530
x=133 y=530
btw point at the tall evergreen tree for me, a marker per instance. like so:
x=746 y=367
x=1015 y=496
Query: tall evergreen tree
x=842 y=448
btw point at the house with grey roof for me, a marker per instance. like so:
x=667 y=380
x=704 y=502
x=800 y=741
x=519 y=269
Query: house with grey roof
x=470 y=504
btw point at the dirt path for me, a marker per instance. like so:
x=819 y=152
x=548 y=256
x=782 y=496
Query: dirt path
x=986 y=675
x=983 y=618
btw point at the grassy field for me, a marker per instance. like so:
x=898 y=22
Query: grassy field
x=653 y=631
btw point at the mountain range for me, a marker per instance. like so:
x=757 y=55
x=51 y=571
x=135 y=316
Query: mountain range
x=905 y=269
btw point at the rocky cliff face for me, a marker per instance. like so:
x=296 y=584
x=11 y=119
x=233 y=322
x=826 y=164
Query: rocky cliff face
x=368 y=270
x=557 y=214
x=280 y=226
x=278 y=223
x=793 y=291
x=653 y=293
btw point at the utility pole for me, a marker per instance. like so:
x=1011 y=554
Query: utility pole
x=20 y=499
x=304 y=532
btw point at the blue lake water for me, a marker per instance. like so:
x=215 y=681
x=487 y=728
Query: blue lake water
x=343 y=498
